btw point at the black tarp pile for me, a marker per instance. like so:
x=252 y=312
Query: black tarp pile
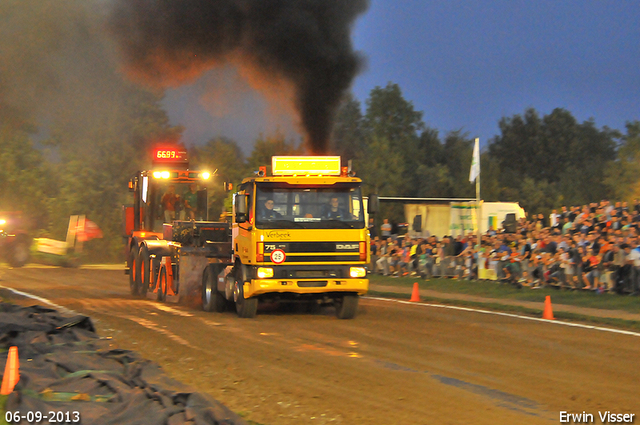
x=66 y=367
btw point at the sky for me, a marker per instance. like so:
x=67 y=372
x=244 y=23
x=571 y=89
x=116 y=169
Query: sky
x=465 y=65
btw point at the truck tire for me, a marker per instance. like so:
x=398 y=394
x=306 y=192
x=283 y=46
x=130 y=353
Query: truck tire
x=134 y=272
x=145 y=270
x=212 y=300
x=18 y=252
x=245 y=307
x=162 y=284
x=346 y=306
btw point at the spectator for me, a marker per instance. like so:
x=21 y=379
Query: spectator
x=573 y=214
x=385 y=229
x=556 y=268
x=626 y=274
x=468 y=270
x=191 y=202
x=590 y=272
x=512 y=269
x=373 y=233
x=384 y=261
x=375 y=250
x=593 y=246
x=425 y=261
x=438 y=259
x=554 y=220
x=634 y=260
x=608 y=267
x=615 y=223
x=542 y=221
x=168 y=202
x=625 y=208
x=565 y=225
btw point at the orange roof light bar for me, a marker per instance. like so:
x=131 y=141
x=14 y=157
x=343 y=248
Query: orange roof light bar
x=305 y=165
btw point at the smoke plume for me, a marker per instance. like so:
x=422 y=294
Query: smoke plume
x=304 y=45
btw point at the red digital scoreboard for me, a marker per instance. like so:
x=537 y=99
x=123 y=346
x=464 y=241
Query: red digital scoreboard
x=169 y=155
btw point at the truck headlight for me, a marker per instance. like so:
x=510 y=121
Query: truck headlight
x=161 y=174
x=357 y=272
x=265 y=272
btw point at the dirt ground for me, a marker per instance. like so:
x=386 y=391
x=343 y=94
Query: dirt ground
x=393 y=364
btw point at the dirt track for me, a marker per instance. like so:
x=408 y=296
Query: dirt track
x=393 y=364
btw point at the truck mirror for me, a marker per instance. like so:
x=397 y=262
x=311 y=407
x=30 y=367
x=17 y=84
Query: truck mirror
x=372 y=205
x=202 y=204
x=240 y=201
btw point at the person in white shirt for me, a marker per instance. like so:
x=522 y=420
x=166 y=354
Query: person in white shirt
x=633 y=258
x=554 y=219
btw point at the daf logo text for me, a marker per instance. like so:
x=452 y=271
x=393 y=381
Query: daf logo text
x=347 y=246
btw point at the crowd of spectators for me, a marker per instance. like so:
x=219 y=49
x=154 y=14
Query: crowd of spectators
x=590 y=247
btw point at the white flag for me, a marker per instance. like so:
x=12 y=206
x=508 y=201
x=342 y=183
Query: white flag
x=475 y=162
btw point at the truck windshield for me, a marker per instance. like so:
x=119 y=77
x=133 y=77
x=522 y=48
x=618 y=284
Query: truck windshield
x=166 y=201
x=335 y=207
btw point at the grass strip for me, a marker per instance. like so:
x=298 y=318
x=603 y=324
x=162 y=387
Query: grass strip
x=498 y=291
x=532 y=312
x=3 y=410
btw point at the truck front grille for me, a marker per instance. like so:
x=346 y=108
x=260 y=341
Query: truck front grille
x=320 y=258
x=317 y=247
x=313 y=284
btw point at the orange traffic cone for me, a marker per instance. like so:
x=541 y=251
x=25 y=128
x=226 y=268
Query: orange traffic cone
x=11 y=375
x=548 y=311
x=415 y=295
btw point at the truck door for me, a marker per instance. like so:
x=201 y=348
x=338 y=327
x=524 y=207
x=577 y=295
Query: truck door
x=241 y=231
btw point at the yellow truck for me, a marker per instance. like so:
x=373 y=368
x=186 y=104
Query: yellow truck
x=298 y=236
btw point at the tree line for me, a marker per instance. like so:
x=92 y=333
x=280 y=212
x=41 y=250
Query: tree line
x=83 y=166
x=542 y=162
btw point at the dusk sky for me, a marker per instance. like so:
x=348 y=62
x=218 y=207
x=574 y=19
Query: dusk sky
x=466 y=64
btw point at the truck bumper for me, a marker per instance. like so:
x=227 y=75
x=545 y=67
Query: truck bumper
x=305 y=286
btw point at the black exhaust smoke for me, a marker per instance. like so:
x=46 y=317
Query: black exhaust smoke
x=306 y=43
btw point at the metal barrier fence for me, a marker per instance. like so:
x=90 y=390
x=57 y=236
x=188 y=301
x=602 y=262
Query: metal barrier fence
x=431 y=267
x=457 y=267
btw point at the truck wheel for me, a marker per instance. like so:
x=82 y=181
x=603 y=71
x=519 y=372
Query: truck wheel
x=346 y=306
x=134 y=272
x=212 y=300
x=19 y=252
x=245 y=307
x=162 y=284
x=145 y=273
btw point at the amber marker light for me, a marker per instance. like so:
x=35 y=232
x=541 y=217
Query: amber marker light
x=305 y=165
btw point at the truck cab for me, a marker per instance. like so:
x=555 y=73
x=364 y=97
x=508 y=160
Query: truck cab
x=170 y=244
x=299 y=236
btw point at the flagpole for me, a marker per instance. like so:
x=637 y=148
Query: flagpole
x=474 y=174
x=478 y=207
